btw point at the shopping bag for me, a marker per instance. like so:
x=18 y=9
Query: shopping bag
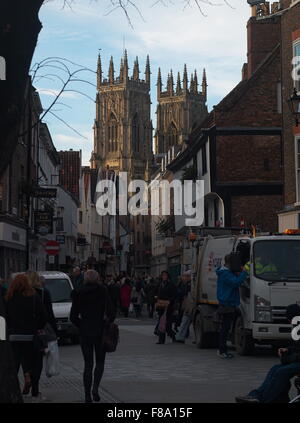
x=52 y=360
x=163 y=323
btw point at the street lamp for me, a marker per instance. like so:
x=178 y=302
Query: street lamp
x=294 y=103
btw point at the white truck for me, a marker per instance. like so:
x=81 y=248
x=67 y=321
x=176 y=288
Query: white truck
x=273 y=284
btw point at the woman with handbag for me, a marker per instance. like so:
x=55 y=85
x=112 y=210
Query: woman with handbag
x=50 y=333
x=90 y=304
x=166 y=297
x=25 y=316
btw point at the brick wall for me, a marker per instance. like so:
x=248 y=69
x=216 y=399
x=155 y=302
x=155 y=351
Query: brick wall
x=258 y=210
x=249 y=158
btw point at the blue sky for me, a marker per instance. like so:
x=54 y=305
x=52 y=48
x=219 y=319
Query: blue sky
x=171 y=36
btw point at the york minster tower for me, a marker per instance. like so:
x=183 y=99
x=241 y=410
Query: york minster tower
x=179 y=110
x=123 y=127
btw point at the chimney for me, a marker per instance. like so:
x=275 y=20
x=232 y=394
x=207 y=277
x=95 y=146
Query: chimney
x=263 y=36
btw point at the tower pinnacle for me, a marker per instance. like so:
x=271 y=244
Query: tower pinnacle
x=111 y=74
x=99 y=72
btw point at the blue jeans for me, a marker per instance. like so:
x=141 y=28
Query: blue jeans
x=183 y=329
x=277 y=384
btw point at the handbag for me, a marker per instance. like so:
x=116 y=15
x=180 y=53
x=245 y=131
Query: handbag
x=52 y=360
x=162 y=304
x=50 y=333
x=110 y=337
x=162 y=323
x=40 y=341
x=111 y=333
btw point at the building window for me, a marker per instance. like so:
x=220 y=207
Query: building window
x=135 y=134
x=80 y=217
x=172 y=137
x=296 y=48
x=204 y=160
x=59 y=224
x=112 y=134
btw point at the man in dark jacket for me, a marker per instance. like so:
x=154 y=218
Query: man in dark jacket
x=90 y=304
x=276 y=385
x=228 y=295
x=77 y=278
x=167 y=292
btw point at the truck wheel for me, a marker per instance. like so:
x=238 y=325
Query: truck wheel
x=203 y=339
x=244 y=343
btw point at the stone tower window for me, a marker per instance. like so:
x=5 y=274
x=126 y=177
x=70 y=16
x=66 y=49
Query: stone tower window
x=172 y=137
x=135 y=134
x=112 y=133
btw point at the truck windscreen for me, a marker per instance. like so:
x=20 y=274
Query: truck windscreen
x=277 y=260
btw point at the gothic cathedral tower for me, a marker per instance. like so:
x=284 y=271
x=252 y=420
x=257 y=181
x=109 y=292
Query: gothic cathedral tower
x=123 y=127
x=179 y=110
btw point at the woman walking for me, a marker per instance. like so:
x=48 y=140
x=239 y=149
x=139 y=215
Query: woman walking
x=167 y=293
x=45 y=297
x=126 y=296
x=25 y=316
x=90 y=304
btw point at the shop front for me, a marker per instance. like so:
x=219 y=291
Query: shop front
x=13 y=252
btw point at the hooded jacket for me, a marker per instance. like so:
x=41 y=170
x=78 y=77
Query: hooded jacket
x=228 y=284
x=90 y=305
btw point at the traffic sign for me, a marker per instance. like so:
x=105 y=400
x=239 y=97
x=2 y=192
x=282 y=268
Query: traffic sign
x=52 y=248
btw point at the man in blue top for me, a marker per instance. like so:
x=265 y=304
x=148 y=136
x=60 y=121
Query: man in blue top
x=228 y=295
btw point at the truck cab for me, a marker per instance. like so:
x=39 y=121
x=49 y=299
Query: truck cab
x=273 y=284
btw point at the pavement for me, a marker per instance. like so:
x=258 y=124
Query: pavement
x=142 y=372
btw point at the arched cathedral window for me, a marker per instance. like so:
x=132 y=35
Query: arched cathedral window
x=172 y=137
x=112 y=133
x=135 y=134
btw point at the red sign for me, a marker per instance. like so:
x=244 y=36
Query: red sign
x=52 y=248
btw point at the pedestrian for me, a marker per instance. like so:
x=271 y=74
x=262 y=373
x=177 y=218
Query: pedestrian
x=167 y=293
x=126 y=297
x=45 y=296
x=90 y=305
x=228 y=294
x=151 y=291
x=77 y=277
x=114 y=289
x=137 y=298
x=276 y=385
x=187 y=308
x=25 y=316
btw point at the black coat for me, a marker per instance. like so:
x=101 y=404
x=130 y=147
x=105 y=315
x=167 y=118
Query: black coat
x=45 y=297
x=25 y=315
x=293 y=354
x=90 y=304
x=167 y=291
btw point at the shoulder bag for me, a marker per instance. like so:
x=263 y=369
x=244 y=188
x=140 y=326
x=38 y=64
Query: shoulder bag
x=111 y=333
